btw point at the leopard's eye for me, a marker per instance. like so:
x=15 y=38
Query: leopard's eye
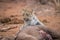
x=27 y=14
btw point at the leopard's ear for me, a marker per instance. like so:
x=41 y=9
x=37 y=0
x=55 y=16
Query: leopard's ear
x=23 y=12
x=33 y=11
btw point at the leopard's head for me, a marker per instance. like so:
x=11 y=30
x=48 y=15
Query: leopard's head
x=27 y=14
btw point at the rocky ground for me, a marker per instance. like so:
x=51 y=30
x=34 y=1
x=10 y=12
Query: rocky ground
x=11 y=17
